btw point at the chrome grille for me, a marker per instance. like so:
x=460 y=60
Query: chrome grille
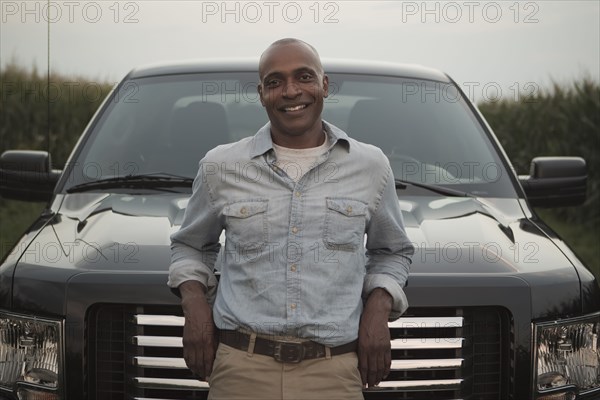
x=445 y=354
x=147 y=343
x=426 y=357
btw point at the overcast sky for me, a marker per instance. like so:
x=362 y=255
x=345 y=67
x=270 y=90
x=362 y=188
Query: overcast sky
x=483 y=45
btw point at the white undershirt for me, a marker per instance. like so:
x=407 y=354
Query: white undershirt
x=297 y=162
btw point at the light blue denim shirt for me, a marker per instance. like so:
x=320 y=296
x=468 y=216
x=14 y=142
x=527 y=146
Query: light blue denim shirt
x=295 y=260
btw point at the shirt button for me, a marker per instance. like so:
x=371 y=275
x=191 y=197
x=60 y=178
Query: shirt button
x=298 y=194
x=349 y=209
x=293 y=268
x=293 y=306
x=294 y=230
x=243 y=211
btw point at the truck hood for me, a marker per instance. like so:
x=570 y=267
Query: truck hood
x=455 y=238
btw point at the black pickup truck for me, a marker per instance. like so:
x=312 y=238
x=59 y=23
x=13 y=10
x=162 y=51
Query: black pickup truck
x=500 y=307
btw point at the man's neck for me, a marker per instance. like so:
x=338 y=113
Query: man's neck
x=313 y=138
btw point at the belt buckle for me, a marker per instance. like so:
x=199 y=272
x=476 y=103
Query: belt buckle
x=288 y=352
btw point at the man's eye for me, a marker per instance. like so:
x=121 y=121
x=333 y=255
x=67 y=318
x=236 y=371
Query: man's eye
x=305 y=77
x=272 y=83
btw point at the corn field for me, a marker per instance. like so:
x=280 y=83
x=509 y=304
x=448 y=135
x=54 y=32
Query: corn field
x=559 y=122
x=26 y=101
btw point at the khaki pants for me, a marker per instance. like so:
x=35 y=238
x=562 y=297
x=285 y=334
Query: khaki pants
x=240 y=375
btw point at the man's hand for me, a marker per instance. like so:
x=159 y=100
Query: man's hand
x=199 y=332
x=374 y=348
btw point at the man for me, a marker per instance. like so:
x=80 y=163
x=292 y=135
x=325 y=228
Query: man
x=298 y=316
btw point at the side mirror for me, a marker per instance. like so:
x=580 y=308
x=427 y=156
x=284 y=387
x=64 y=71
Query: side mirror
x=556 y=181
x=27 y=175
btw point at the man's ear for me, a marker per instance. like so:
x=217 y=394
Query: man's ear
x=325 y=85
x=260 y=94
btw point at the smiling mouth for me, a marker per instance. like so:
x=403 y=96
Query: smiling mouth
x=295 y=108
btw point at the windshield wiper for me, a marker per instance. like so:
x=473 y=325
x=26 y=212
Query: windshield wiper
x=152 y=180
x=402 y=184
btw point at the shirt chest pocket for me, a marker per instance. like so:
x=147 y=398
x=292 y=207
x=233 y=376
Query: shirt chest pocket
x=345 y=221
x=246 y=223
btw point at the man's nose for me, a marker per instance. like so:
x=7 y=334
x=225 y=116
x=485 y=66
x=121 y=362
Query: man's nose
x=291 y=90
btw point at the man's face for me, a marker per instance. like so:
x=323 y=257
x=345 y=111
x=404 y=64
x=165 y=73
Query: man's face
x=292 y=89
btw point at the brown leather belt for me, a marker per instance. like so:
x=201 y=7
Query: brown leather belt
x=283 y=351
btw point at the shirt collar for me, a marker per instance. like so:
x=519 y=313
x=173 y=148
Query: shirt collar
x=262 y=141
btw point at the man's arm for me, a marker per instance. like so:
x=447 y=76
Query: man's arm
x=374 y=348
x=389 y=254
x=200 y=339
x=389 y=250
x=194 y=249
x=195 y=246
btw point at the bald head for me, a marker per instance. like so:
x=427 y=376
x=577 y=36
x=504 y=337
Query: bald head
x=308 y=49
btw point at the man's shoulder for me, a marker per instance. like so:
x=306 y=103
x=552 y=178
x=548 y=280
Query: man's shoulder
x=368 y=153
x=360 y=152
x=241 y=150
x=359 y=148
x=366 y=149
x=230 y=151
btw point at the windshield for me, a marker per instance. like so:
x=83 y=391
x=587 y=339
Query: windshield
x=165 y=125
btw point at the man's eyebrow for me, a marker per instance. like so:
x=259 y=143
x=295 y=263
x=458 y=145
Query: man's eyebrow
x=305 y=69
x=294 y=72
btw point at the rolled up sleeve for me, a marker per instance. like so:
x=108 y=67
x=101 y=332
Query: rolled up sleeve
x=389 y=250
x=195 y=246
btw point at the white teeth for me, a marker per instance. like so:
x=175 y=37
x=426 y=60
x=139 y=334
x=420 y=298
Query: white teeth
x=295 y=108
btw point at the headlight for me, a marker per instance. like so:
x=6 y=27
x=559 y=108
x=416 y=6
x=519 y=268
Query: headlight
x=30 y=356
x=567 y=354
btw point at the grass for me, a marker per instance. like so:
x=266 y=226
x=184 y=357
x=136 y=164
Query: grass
x=583 y=241
x=15 y=217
